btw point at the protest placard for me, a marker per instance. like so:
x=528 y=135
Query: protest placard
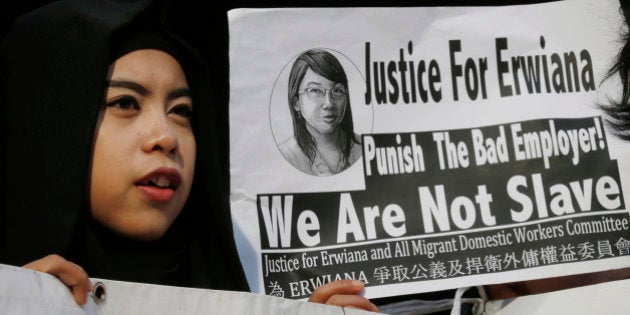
x=425 y=148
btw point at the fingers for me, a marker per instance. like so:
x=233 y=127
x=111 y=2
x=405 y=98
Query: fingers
x=70 y=274
x=344 y=287
x=354 y=301
x=343 y=293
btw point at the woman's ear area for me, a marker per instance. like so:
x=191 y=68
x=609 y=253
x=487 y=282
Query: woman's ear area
x=296 y=103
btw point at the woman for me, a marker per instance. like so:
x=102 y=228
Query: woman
x=110 y=151
x=323 y=142
x=618 y=113
x=55 y=62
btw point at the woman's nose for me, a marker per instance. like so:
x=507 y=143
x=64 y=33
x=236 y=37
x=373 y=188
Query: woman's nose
x=327 y=102
x=160 y=136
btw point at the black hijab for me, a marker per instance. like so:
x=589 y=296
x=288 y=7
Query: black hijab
x=53 y=65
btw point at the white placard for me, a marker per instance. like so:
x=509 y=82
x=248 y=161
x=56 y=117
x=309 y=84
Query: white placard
x=484 y=155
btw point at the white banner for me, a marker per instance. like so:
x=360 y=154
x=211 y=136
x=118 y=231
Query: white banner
x=421 y=149
x=28 y=292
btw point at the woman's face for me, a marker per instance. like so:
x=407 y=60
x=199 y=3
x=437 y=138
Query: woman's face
x=323 y=112
x=143 y=158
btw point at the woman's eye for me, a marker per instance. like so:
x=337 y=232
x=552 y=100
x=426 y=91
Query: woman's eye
x=315 y=91
x=338 y=91
x=182 y=110
x=124 y=103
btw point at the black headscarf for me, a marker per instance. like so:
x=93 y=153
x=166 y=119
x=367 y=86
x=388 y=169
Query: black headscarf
x=53 y=65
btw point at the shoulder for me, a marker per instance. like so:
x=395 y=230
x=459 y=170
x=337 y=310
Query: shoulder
x=289 y=147
x=292 y=152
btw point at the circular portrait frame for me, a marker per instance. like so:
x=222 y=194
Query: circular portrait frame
x=280 y=117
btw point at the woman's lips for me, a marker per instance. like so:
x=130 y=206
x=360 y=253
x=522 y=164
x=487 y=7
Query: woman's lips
x=329 y=118
x=157 y=194
x=160 y=184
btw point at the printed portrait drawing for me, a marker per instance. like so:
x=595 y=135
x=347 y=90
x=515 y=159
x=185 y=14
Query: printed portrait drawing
x=324 y=142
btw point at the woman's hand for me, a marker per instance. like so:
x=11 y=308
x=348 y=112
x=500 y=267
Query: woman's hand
x=71 y=274
x=343 y=293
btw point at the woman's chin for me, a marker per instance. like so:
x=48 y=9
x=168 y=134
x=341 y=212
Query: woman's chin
x=147 y=234
x=326 y=129
x=143 y=231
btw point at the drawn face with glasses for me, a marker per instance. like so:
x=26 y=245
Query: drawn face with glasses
x=318 y=93
x=321 y=102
